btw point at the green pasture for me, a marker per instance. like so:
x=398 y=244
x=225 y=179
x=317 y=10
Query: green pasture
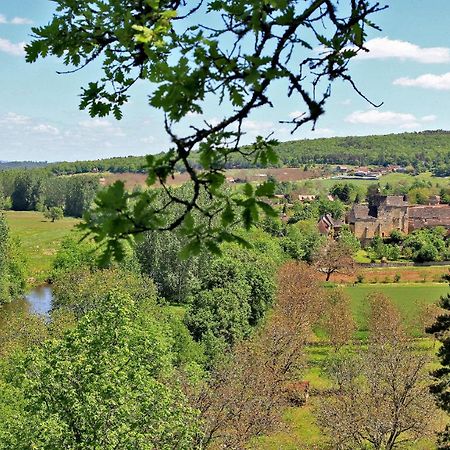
x=39 y=238
x=408 y=298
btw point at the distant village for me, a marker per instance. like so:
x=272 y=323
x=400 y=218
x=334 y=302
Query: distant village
x=383 y=215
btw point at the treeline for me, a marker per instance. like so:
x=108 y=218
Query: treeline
x=6 y=165
x=423 y=150
x=39 y=190
x=427 y=150
x=133 y=164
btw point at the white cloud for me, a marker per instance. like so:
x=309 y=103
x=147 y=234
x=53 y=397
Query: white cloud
x=9 y=47
x=14 y=21
x=426 y=81
x=45 y=129
x=96 y=124
x=12 y=118
x=20 y=21
x=385 y=48
x=377 y=117
x=148 y=140
x=257 y=126
x=346 y=102
x=410 y=126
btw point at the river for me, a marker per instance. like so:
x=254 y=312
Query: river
x=37 y=301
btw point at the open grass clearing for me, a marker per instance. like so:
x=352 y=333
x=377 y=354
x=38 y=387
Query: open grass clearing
x=39 y=238
x=408 y=298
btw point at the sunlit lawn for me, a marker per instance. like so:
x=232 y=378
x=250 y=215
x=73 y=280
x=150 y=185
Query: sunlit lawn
x=408 y=298
x=39 y=238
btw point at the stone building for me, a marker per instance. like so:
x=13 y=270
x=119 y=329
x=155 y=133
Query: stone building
x=385 y=214
x=329 y=226
x=427 y=216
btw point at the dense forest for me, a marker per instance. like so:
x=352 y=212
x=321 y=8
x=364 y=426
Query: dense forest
x=40 y=190
x=424 y=150
x=428 y=150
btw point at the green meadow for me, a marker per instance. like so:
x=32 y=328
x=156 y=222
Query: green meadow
x=408 y=298
x=39 y=239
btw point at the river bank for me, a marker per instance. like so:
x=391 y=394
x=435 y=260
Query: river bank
x=37 y=301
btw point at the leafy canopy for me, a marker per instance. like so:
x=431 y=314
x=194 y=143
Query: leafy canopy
x=231 y=52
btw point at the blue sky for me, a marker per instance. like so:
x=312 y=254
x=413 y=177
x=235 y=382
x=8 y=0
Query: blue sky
x=408 y=69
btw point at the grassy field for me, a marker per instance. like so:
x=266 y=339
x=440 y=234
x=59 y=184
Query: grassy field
x=408 y=298
x=39 y=238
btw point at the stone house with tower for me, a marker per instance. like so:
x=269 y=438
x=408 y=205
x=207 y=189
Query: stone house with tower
x=387 y=213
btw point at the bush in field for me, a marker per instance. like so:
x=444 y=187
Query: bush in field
x=54 y=213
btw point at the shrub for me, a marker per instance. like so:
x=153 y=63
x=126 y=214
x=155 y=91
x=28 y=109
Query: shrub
x=54 y=213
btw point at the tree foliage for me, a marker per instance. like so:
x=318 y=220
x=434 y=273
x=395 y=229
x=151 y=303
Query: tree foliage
x=54 y=213
x=249 y=47
x=231 y=297
x=107 y=384
x=12 y=265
